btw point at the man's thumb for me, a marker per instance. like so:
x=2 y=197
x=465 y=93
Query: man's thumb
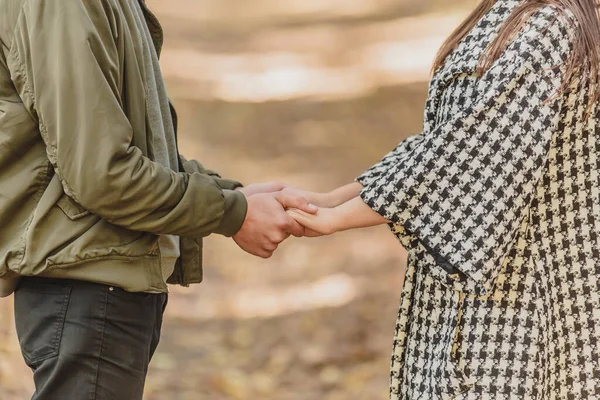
x=293 y=201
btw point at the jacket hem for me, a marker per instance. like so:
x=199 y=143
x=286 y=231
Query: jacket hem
x=133 y=274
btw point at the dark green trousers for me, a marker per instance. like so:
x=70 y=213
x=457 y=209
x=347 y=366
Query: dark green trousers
x=86 y=341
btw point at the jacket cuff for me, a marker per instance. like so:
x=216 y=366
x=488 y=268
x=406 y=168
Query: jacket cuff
x=8 y=284
x=234 y=213
x=228 y=184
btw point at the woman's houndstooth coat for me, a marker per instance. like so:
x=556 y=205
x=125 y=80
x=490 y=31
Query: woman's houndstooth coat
x=498 y=204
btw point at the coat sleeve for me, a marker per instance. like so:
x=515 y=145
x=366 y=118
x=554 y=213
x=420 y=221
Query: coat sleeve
x=394 y=157
x=67 y=68
x=465 y=189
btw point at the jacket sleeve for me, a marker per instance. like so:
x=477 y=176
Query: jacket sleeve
x=66 y=67
x=192 y=166
x=466 y=187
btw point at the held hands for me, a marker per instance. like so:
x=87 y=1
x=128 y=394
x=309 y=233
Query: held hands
x=354 y=213
x=332 y=199
x=267 y=224
x=321 y=200
x=337 y=210
x=276 y=211
x=264 y=187
x=324 y=222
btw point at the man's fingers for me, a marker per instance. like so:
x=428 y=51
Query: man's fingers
x=271 y=187
x=260 y=188
x=295 y=228
x=280 y=237
x=292 y=187
x=270 y=246
x=265 y=254
x=293 y=201
x=311 y=234
x=258 y=252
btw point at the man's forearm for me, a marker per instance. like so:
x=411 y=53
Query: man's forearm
x=89 y=138
x=191 y=166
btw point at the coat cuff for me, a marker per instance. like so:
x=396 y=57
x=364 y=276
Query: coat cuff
x=8 y=284
x=228 y=184
x=234 y=213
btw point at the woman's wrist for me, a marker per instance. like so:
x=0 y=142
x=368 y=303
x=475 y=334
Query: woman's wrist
x=355 y=214
x=332 y=199
x=343 y=194
x=339 y=219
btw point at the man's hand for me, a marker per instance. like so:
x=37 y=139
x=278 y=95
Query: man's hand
x=321 y=200
x=267 y=224
x=331 y=199
x=257 y=188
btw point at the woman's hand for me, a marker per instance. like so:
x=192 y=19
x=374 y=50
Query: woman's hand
x=321 y=200
x=324 y=222
x=350 y=215
x=332 y=199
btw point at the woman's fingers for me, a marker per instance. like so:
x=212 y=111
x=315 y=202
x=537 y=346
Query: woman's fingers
x=312 y=223
x=312 y=234
x=303 y=218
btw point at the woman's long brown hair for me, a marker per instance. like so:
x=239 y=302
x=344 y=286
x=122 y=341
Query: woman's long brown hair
x=584 y=62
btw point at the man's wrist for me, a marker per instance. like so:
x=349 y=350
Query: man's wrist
x=235 y=209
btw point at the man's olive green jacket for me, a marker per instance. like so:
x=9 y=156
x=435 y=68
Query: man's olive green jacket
x=80 y=197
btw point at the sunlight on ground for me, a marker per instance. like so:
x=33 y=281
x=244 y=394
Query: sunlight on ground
x=272 y=301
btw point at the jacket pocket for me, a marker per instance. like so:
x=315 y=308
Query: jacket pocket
x=71 y=208
x=40 y=312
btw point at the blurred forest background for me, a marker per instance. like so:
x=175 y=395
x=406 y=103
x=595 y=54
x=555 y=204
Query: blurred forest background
x=311 y=93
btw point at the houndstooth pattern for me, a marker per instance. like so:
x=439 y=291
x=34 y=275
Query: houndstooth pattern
x=498 y=203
